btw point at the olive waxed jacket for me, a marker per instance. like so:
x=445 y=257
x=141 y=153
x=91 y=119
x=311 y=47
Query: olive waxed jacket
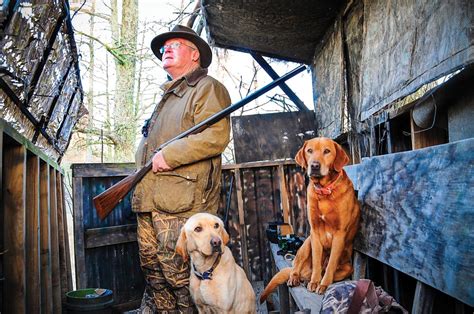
x=194 y=183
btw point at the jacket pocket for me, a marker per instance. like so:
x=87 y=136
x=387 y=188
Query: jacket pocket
x=174 y=193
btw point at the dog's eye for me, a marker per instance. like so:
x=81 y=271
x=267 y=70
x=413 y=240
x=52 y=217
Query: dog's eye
x=216 y=226
x=198 y=229
x=310 y=151
x=327 y=151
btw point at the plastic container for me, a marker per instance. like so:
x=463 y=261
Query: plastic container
x=90 y=301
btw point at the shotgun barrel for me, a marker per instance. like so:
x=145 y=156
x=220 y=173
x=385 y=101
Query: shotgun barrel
x=106 y=201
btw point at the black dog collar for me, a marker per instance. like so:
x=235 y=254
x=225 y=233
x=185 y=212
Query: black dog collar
x=208 y=273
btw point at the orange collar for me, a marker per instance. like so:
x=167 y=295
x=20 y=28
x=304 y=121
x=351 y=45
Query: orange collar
x=327 y=190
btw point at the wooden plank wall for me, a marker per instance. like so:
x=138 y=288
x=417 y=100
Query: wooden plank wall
x=258 y=197
x=106 y=251
x=32 y=220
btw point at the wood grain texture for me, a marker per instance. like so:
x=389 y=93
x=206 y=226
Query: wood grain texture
x=33 y=288
x=303 y=298
x=45 y=240
x=14 y=236
x=102 y=170
x=243 y=229
x=62 y=239
x=110 y=236
x=55 y=269
x=418 y=215
x=79 y=250
x=271 y=136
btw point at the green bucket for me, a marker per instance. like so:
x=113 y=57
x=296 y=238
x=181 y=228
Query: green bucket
x=90 y=301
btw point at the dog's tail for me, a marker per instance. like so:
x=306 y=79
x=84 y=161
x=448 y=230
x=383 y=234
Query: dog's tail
x=281 y=277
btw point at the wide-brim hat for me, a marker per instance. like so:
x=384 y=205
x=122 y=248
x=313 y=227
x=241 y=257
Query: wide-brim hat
x=181 y=31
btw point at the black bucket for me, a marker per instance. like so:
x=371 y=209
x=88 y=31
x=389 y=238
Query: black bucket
x=90 y=301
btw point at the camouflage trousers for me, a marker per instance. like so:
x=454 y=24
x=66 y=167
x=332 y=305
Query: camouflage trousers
x=166 y=274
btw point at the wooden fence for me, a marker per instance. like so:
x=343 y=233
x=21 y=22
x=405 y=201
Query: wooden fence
x=106 y=251
x=34 y=255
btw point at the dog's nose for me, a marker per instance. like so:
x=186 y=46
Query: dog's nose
x=316 y=166
x=215 y=242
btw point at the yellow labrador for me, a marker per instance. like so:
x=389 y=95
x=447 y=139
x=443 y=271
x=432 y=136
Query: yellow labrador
x=217 y=284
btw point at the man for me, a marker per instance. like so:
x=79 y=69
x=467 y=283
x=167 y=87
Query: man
x=186 y=173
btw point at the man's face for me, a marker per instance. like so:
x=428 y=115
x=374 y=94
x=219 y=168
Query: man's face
x=178 y=56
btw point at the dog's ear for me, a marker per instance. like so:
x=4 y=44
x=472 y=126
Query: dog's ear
x=224 y=235
x=341 y=158
x=181 y=245
x=300 y=157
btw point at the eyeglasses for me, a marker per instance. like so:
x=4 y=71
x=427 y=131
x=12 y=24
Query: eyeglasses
x=174 y=46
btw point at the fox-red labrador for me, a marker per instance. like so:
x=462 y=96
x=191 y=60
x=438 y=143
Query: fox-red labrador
x=333 y=214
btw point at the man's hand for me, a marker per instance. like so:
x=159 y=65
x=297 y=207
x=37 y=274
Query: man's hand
x=159 y=163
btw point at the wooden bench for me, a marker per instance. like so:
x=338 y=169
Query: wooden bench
x=304 y=300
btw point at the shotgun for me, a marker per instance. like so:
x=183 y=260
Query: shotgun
x=106 y=201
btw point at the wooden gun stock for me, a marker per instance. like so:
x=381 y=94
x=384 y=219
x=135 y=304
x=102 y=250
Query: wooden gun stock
x=106 y=201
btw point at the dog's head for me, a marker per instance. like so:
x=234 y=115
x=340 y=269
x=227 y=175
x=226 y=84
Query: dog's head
x=320 y=155
x=204 y=233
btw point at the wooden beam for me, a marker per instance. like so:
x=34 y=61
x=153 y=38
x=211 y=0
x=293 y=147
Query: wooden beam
x=80 y=258
x=285 y=204
x=14 y=191
x=285 y=88
x=423 y=299
x=102 y=170
x=360 y=266
x=62 y=239
x=259 y=164
x=243 y=226
x=56 y=273
x=98 y=237
x=33 y=286
x=45 y=241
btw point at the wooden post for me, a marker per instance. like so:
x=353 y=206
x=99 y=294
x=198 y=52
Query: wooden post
x=285 y=203
x=56 y=275
x=360 y=266
x=81 y=279
x=14 y=236
x=45 y=241
x=62 y=238
x=243 y=227
x=33 y=287
x=423 y=300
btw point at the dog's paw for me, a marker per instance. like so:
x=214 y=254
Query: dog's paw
x=312 y=286
x=293 y=281
x=321 y=289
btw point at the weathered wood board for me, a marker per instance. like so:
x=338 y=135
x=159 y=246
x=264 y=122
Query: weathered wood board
x=418 y=215
x=303 y=298
x=106 y=251
x=271 y=136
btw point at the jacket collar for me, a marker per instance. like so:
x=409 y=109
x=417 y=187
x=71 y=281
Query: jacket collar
x=178 y=86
